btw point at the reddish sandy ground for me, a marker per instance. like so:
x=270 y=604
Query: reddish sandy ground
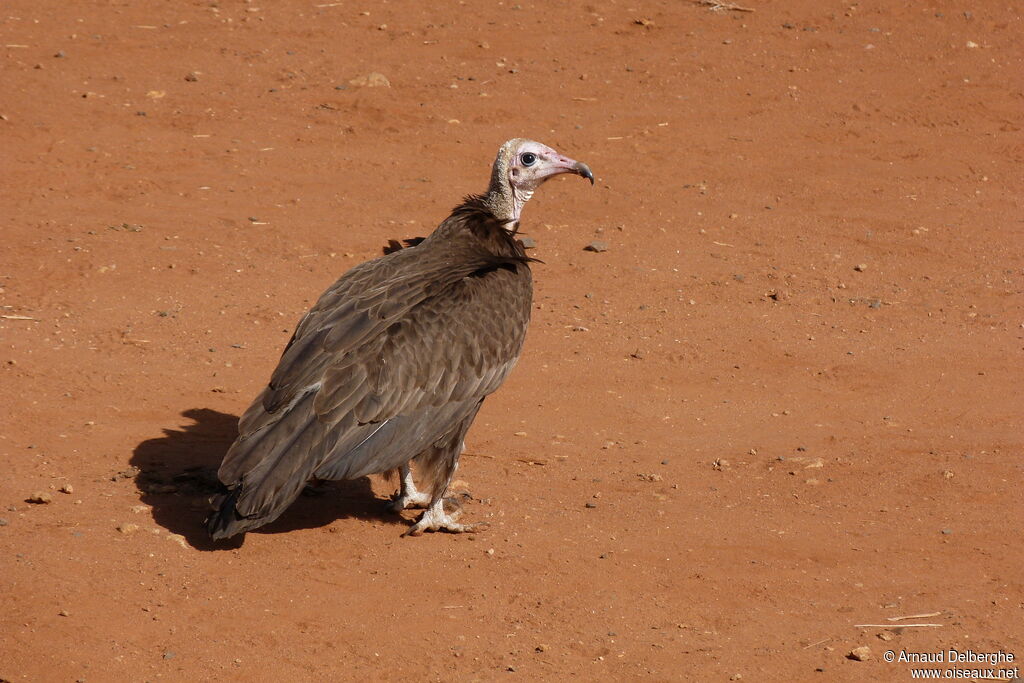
x=784 y=402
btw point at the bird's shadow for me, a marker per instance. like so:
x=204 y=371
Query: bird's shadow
x=177 y=476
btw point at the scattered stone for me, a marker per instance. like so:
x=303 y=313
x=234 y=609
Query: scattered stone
x=63 y=613
x=947 y=474
x=736 y=677
x=129 y=473
x=860 y=267
x=596 y=246
x=67 y=488
x=590 y=505
x=720 y=464
x=177 y=538
x=39 y=498
x=3 y=522
x=947 y=532
x=860 y=654
x=168 y=654
x=541 y=648
x=519 y=434
x=649 y=477
x=528 y=242
x=192 y=77
x=128 y=528
x=886 y=636
x=371 y=80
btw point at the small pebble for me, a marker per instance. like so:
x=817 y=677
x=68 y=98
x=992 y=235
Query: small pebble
x=128 y=528
x=596 y=246
x=591 y=505
x=860 y=267
x=177 y=538
x=860 y=654
x=528 y=242
x=3 y=522
x=947 y=532
x=67 y=488
x=40 y=498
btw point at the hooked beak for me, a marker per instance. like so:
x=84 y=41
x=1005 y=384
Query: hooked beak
x=584 y=170
x=562 y=164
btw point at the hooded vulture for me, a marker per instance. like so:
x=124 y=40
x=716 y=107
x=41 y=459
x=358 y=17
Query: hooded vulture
x=393 y=362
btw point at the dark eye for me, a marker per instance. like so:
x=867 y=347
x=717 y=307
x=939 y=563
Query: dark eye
x=528 y=159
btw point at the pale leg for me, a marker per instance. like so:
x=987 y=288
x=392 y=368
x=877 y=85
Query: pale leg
x=409 y=496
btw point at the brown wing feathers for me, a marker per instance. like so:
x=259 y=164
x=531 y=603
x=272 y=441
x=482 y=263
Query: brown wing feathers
x=393 y=356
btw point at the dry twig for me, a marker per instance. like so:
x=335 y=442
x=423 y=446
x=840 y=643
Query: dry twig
x=914 y=616
x=894 y=625
x=715 y=6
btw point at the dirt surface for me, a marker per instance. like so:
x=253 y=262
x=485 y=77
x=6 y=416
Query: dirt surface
x=784 y=402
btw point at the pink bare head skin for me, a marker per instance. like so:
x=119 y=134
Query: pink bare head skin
x=521 y=167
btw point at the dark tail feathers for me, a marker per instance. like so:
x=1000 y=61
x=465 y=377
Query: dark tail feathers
x=225 y=522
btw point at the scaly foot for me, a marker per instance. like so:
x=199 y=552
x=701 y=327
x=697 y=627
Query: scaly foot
x=409 y=499
x=437 y=518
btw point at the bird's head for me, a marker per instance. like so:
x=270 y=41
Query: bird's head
x=521 y=167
